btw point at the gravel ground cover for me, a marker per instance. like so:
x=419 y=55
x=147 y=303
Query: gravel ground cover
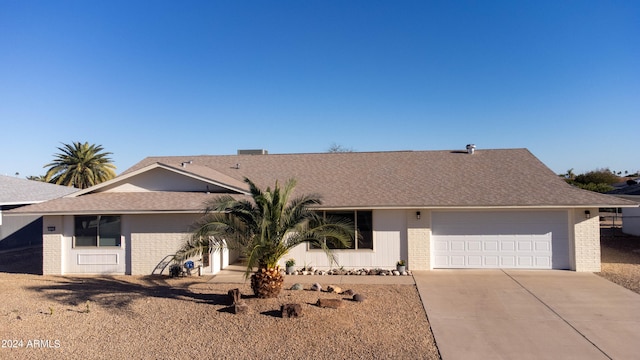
x=620 y=258
x=119 y=317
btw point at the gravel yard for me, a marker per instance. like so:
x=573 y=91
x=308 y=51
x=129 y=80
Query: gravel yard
x=185 y=318
x=620 y=258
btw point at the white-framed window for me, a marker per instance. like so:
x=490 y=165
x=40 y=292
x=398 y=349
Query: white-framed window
x=97 y=231
x=363 y=222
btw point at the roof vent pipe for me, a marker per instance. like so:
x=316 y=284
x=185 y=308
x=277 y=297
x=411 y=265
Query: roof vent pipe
x=471 y=148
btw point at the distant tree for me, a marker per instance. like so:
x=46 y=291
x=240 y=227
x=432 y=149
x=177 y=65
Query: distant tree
x=601 y=188
x=337 y=148
x=37 y=178
x=598 y=180
x=598 y=176
x=80 y=165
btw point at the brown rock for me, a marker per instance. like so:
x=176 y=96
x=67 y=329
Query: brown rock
x=330 y=303
x=234 y=296
x=359 y=297
x=240 y=308
x=334 y=289
x=291 y=310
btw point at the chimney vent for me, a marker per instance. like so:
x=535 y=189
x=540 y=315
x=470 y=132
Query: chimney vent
x=471 y=148
x=253 y=152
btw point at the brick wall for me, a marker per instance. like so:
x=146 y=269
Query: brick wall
x=148 y=250
x=153 y=237
x=52 y=246
x=419 y=240
x=586 y=240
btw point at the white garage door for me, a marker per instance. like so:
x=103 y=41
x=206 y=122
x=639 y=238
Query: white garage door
x=509 y=239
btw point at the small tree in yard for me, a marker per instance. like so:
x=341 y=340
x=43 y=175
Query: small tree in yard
x=264 y=229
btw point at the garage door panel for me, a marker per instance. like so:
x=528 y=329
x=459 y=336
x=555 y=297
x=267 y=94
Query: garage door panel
x=474 y=260
x=490 y=245
x=542 y=246
x=525 y=246
x=542 y=262
x=474 y=246
x=525 y=239
x=507 y=245
x=507 y=261
x=457 y=260
x=457 y=245
x=440 y=246
x=491 y=261
x=441 y=261
x=525 y=261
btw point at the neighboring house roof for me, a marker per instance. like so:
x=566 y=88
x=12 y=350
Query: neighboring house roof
x=508 y=178
x=631 y=192
x=16 y=191
x=627 y=190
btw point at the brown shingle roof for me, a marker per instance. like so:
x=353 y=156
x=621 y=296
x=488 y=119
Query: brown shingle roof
x=510 y=177
x=121 y=203
x=403 y=179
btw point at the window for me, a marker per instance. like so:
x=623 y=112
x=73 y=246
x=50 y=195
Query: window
x=97 y=231
x=364 y=229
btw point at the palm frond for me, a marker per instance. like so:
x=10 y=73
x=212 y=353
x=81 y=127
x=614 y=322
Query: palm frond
x=267 y=227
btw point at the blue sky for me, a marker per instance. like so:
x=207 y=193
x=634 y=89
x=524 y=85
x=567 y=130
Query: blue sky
x=145 y=78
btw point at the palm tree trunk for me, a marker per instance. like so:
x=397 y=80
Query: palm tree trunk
x=267 y=282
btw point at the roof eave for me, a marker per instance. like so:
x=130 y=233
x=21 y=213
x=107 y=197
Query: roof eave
x=104 y=212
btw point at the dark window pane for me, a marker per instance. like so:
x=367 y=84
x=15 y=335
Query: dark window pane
x=86 y=231
x=97 y=230
x=334 y=216
x=109 y=230
x=365 y=230
x=86 y=241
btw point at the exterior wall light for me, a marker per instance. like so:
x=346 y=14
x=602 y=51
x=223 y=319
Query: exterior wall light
x=587 y=214
x=418 y=215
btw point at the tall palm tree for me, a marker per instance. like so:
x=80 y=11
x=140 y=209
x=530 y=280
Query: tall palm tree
x=264 y=229
x=80 y=165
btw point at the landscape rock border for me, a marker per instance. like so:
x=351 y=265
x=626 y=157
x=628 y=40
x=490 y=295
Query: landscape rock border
x=355 y=272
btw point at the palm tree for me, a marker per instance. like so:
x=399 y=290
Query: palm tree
x=264 y=229
x=570 y=175
x=40 y=178
x=80 y=165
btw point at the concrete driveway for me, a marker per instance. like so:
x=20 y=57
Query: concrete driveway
x=517 y=314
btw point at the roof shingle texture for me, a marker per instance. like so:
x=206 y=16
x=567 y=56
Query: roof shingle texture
x=509 y=177
x=403 y=179
x=14 y=190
